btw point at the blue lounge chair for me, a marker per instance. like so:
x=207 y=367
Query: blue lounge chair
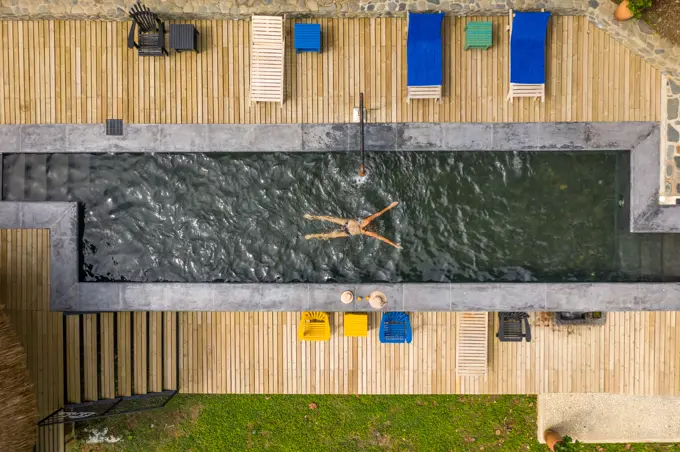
x=424 y=56
x=528 y=33
x=395 y=328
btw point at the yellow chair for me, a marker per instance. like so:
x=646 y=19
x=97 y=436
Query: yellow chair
x=356 y=324
x=314 y=326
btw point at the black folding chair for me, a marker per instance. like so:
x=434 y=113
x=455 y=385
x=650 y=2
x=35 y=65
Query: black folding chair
x=151 y=32
x=513 y=327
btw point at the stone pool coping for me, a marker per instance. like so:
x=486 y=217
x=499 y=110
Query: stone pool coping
x=67 y=294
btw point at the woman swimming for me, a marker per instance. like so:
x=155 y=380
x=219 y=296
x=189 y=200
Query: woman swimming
x=351 y=227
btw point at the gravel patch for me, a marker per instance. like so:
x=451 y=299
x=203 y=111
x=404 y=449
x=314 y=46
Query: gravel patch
x=609 y=418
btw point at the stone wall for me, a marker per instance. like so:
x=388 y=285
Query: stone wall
x=670 y=144
x=635 y=34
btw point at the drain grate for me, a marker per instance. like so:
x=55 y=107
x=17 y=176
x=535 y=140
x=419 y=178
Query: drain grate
x=114 y=127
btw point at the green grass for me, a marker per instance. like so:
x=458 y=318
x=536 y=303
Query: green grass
x=334 y=423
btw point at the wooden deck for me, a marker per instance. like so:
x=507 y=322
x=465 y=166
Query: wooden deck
x=259 y=352
x=24 y=288
x=82 y=72
x=634 y=353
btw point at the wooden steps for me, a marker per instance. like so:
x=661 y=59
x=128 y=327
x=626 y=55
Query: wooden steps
x=120 y=354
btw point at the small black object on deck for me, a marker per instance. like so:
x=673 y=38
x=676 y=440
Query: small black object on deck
x=510 y=327
x=183 y=37
x=151 y=32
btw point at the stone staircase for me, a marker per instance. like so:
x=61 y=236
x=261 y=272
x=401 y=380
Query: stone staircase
x=43 y=177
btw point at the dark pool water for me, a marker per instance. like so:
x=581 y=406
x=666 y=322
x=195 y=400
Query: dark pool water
x=496 y=216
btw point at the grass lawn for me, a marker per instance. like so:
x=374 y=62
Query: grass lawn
x=333 y=423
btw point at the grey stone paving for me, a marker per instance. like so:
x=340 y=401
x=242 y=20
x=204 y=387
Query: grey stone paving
x=67 y=294
x=89 y=138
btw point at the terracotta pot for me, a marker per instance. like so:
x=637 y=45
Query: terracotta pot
x=551 y=438
x=622 y=12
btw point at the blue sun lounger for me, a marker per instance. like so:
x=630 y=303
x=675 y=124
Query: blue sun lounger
x=395 y=328
x=528 y=33
x=424 y=56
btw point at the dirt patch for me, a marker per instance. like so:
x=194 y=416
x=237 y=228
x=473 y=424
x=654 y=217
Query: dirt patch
x=663 y=17
x=543 y=319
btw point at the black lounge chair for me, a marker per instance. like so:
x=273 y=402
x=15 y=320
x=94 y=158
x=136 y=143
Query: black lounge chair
x=151 y=32
x=513 y=327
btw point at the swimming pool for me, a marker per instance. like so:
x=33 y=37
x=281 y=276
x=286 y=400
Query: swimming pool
x=238 y=217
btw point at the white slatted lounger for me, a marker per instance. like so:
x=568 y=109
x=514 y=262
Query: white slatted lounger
x=472 y=343
x=423 y=92
x=267 y=59
x=523 y=89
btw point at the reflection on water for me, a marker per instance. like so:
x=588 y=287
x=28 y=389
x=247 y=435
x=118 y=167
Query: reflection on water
x=239 y=217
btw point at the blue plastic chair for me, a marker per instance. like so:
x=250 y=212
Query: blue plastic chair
x=307 y=38
x=395 y=328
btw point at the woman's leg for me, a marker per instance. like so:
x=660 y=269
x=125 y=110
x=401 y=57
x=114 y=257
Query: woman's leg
x=340 y=221
x=381 y=238
x=328 y=235
x=366 y=221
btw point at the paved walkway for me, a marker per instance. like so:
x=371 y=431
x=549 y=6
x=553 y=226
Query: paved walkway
x=608 y=418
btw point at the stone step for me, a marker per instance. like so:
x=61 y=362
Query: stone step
x=78 y=177
x=628 y=255
x=651 y=252
x=13 y=175
x=57 y=177
x=671 y=257
x=36 y=177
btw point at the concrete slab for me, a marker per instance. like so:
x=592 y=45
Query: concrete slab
x=419 y=137
x=325 y=137
x=326 y=297
x=43 y=138
x=561 y=136
x=610 y=418
x=90 y=138
x=380 y=137
x=183 y=138
x=9 y=138
x=615 y=136
x=467 y=137
x=515 y=136
x=428 y=297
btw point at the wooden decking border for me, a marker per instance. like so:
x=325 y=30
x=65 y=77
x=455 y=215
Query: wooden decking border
x=82 y=72
x=24 y=290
